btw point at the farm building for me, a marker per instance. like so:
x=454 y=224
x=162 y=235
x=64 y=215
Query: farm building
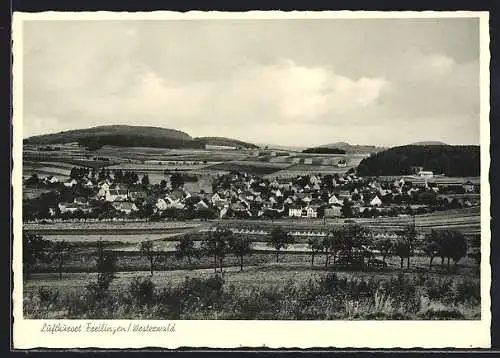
x=219 y=147
x=425 y=174
x=468 y=187
x=342 y=163
x=416 y=169
x=126 y=206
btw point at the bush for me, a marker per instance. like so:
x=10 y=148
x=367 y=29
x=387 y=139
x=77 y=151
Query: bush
x=439 y=289
x=451 y=313
x=47 y=295
x=468 y=291
x=403 y=291
x=142 y=290
x=325 y=298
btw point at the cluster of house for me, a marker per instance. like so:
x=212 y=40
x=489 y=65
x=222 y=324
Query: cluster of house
x=253 y=196
x=296 y=198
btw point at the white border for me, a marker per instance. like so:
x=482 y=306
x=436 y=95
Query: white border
x=272 y=334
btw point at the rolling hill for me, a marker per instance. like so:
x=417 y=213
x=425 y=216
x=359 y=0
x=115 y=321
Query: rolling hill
x=133 y=136
x=429 y=143
x=349 y=148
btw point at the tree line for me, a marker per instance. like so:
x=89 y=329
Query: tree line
x=349 y=245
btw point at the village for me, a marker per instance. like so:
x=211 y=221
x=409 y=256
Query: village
x=105 y=195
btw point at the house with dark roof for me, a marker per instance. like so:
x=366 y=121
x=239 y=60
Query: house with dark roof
x=333 y=212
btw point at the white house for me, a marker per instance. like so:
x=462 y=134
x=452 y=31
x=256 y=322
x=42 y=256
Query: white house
x=468 y=187
x=295 y=211
x=201 y=205
x=88 y=183
x=126 y=206
x=334 y=201
x=68 y=207
x=173 y=203
x=314 y=180
x=311 y=212
x=274 y=184
x=70 y=183
x=116 y=195
x=425 y=174
x=342 y=163
x=104 y=185
x=376 y=201
x=216 y=197
x=161 y=204
x=51 y=179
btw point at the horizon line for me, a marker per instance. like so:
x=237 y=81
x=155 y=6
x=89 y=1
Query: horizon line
x=256 y=143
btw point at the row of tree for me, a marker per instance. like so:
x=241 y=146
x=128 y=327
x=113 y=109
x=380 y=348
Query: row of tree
x=346 y=245
x=354 y=244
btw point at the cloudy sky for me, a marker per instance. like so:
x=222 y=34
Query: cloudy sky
x=287 y=82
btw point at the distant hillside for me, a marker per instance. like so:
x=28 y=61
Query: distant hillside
x=75 y=135
x=349 y=148
x=324 y=150
x=224 y=141
x=429 y=143
x=132 y=136
x=454 y=161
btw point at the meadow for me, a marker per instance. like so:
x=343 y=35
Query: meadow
x=276 y=292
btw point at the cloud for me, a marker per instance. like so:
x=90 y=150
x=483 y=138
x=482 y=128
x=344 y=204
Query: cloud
x=264 y=87
x=280 y=93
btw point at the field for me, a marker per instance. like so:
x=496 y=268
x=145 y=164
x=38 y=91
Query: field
x=251 y=167
x=205 y=163
x=263 y=289
x=267 y=291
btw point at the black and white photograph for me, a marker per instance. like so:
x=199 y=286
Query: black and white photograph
x=252 y=168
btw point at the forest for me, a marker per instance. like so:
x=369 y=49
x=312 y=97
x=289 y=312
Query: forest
x=452 y=161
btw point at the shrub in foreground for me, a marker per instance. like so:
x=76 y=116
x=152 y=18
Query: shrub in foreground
x=328 y=297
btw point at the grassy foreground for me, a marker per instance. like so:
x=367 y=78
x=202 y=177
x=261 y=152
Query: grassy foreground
x=260 y=293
